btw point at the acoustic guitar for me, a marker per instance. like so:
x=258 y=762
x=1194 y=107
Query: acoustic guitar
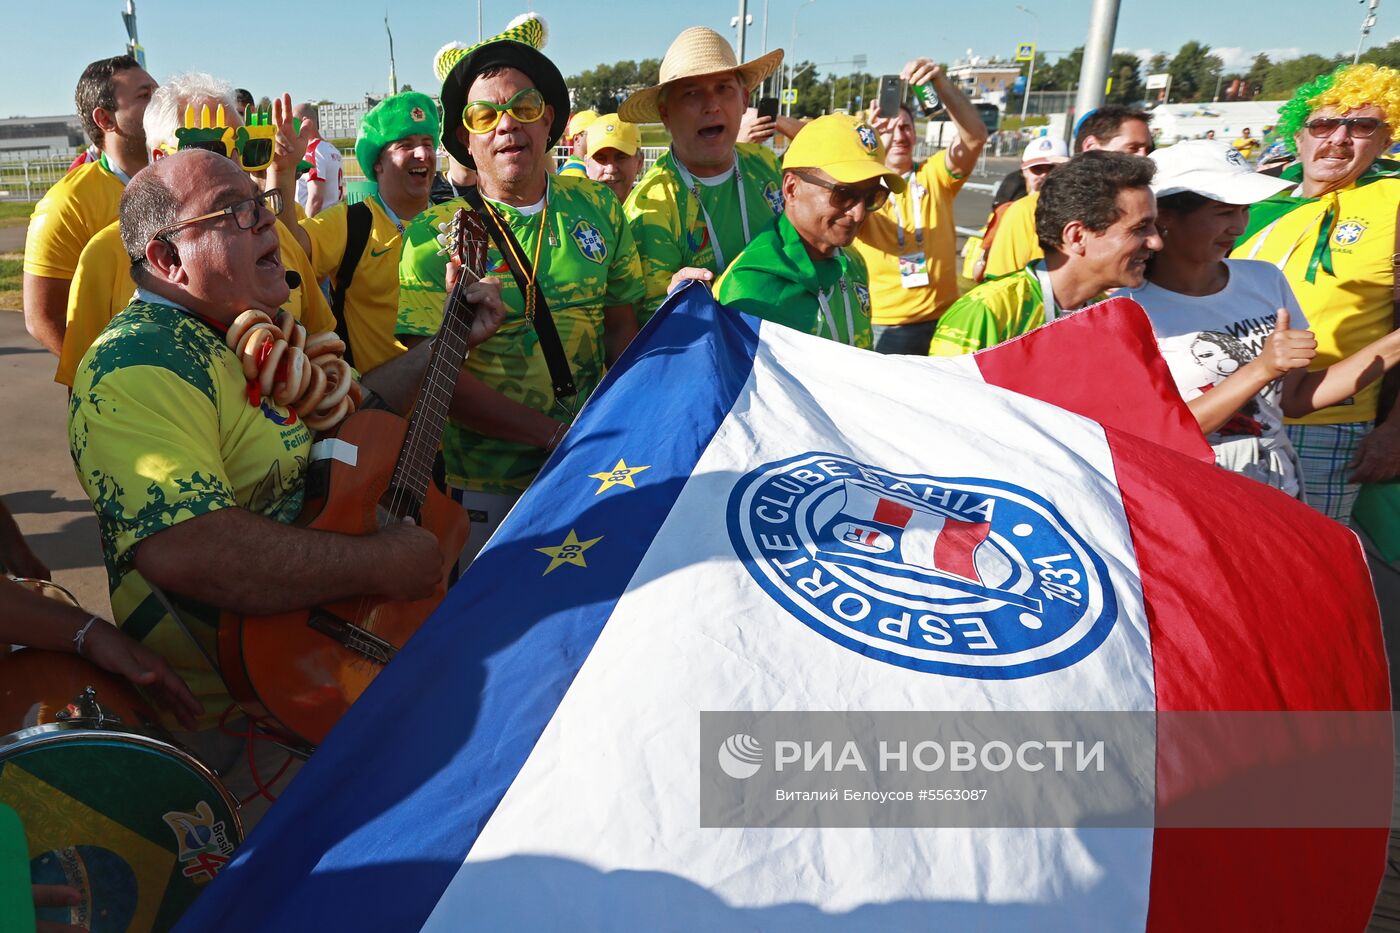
x=296 y=673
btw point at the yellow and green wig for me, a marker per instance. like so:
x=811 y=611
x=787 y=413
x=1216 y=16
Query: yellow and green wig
x=1348 y=88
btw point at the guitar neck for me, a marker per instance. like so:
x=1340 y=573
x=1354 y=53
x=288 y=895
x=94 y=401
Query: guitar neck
x=414 y=470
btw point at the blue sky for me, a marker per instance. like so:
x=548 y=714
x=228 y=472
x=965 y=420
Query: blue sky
x=274 y=45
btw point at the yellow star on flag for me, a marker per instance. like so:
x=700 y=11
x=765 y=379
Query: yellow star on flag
x=620 y=475
x=570 y=552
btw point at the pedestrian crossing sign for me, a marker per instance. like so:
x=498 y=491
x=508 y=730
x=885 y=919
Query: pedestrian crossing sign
x=790 y=95
x=1025 y=52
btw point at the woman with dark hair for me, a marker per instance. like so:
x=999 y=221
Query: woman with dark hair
x=1231 y=330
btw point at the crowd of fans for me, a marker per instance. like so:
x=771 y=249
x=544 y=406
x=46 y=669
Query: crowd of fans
x=1273 y=298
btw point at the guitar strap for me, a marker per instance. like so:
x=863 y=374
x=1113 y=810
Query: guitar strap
x=550 y=344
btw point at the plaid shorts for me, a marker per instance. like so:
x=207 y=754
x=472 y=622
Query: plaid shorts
x=1324 y=450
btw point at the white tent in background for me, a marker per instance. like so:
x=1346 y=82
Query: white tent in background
x=1173 y=122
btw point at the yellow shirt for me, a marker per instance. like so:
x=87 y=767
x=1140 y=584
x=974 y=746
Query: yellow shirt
x=1015 y=246
x=82 y=203
x=933 y=186
x=1351 y=308
x=103 y=286
x=372 y=302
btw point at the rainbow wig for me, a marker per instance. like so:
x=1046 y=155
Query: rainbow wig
x=1348 y=88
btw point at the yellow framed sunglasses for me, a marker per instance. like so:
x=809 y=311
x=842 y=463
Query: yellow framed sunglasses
x=481 y=116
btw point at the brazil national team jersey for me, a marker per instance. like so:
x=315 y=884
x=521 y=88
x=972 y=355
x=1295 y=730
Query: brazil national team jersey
x=82 y=203
x=372 y=302
x=161 y=431
x=587 y=262
x=1335 y=251
x=669 y=225
x=991 y=313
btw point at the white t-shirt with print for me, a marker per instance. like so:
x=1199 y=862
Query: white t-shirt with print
x=1206 y=339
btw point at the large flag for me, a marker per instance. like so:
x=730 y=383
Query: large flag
x=745 y=518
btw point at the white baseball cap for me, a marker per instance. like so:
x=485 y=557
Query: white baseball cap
x=1045 y=149
x=1212 y=169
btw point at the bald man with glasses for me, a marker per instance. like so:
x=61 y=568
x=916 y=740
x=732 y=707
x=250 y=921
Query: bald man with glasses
x=194 y=480
x=803 y=273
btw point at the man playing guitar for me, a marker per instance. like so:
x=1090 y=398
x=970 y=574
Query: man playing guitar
x=194 y=475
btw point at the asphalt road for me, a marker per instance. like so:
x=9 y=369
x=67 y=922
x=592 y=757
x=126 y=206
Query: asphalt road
x=37 y=480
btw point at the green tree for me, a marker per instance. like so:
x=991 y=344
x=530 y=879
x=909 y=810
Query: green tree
x=1286 y=77
x=812 y=91
x=1254 y=78
x=1387 y=55
x=1195 y=72
x=604 y=87
x=1126 y=72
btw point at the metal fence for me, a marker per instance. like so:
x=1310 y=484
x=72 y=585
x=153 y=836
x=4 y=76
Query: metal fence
x=28 y=179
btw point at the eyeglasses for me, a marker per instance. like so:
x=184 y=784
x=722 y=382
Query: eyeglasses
x=1042 y=168
x=845 y=197
x=1357 y=127
x=245 y=213
x=481 y=116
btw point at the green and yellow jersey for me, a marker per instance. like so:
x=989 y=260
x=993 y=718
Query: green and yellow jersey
x=585 y=261
x=676 y=217
x=161 y=431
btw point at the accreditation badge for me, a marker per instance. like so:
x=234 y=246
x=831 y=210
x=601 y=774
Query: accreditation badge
x=913 y=270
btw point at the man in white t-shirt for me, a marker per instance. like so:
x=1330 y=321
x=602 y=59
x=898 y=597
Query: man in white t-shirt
x=323 y=185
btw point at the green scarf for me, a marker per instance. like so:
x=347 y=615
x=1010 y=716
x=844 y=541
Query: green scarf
x=1268 y=211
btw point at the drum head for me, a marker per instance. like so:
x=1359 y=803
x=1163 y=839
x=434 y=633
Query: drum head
x=136 y=825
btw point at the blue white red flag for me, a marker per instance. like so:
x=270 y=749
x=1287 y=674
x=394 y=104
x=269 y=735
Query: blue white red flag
x=748 y=518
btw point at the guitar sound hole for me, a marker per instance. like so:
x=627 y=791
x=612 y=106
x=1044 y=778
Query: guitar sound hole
x=398 y=504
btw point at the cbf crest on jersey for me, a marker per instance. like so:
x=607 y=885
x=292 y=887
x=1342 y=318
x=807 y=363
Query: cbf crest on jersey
x=775 y=197
x=863 y=297
x=1348 y=232
x=590 y=241
x=957 y=576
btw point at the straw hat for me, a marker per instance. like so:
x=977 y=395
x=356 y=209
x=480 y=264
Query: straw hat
x=697 y=51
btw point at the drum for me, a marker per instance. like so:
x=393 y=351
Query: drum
x=109 y=804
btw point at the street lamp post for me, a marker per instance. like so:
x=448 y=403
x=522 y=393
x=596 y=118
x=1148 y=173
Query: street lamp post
x=792 y=45
x=1035 y=49
x=1366 y=25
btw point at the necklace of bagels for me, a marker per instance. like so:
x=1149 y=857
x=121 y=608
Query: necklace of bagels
x=303 y=373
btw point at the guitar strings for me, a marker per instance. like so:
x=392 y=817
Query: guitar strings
x=438 y=390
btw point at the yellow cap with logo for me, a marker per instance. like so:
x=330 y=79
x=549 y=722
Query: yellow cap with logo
x=611 y=132
x=846 y=148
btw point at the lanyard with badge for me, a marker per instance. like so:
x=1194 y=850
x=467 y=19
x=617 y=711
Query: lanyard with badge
x=1047 y=293
x=913 y=267
x=389 y=212
x=824 y=304
x=694 y=187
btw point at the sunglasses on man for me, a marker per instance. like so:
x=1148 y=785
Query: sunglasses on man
x=845 y=197
x=482 y=116
x=1357 y=127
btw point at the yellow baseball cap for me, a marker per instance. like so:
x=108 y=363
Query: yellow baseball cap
x=846 y=148
x=579 y=122
x=611 y=132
